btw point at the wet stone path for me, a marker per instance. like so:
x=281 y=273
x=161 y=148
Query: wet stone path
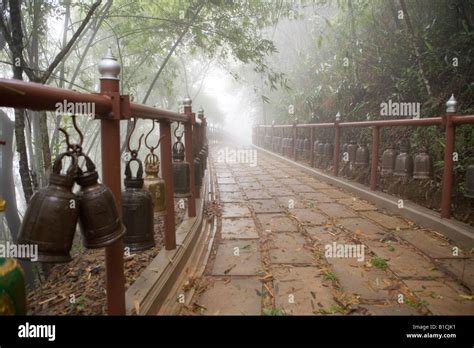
x=288 y=244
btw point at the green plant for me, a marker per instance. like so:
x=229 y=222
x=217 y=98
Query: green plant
x=379 y=263
x=273 y=312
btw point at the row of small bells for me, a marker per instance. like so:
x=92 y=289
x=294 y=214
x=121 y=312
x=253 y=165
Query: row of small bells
x=53 y=212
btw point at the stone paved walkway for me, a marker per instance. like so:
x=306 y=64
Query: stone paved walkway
x=271 y=252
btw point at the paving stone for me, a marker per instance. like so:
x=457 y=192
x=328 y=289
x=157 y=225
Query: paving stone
x=234 y=297
x=235 y=210
x=265 y=177
x=290 y=181
x=363 y=228
x=387 y=221
x=227 y=197
x=301 y=188
x=390 y=308
x=442 y=298
x=325 y=234
x=247 y=262
x=223 y=174
x=318 y=197
x=277 y=223
x=270 y=183
x=265 y=206
x=280 y=191
x=246 y=179
x=334 y=210
x=404 y=261
x=318 y=185
x=257 y=194
x=357 y=279
x=229 y=188
x=462 y=269
x=357 y=204
x=336 y=194
x=308 y=216
x=240 y=228
x=250 y=185
x=290 y=202
x=221 y=181
x=289 y=248
x=304 y=287
x=431 y=244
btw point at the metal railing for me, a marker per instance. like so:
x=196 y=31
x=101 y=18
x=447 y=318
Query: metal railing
x=110 y=108
x=449 y=121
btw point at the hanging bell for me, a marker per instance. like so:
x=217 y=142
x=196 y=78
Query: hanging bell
x=154 y=184
x=51 y=217
x=362 y=156
x=352 y=150
x=180 y=171
x=290 y=147
x=306 y=148
x=388 y=161
x=137 y=211
x=470 y=178
x=328 y=151
x=99 y=218
x=403 y=162
x=422 y=166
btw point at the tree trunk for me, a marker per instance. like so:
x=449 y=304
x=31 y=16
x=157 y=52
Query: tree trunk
x=415 y=48
x=16 y=48
x=7 y=189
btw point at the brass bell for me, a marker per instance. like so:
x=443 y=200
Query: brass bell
x=422 y=166
x=388 y=161
x=362 y=156
x=470 y=178
x=181 y=170
x=403 y=162
x=154 y=184
x=98 y=217
x=51 y=217
x=352 y=150
x=306 y=148
x=137 y=211
x=328 y=151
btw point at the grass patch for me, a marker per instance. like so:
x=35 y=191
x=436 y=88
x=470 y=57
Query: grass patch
x=379 y=263
x=273 y=312
x=329 y=276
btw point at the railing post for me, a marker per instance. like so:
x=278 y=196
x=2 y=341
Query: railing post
x=449 y=139
x=294 y=139
x=109 y=69
x=375 y=157
x=167 y=172
x=337 y=144
x=311 y=141
x=188 y=140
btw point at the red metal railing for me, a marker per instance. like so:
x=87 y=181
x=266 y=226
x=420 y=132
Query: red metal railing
x=449 y=121
x=111 y=107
